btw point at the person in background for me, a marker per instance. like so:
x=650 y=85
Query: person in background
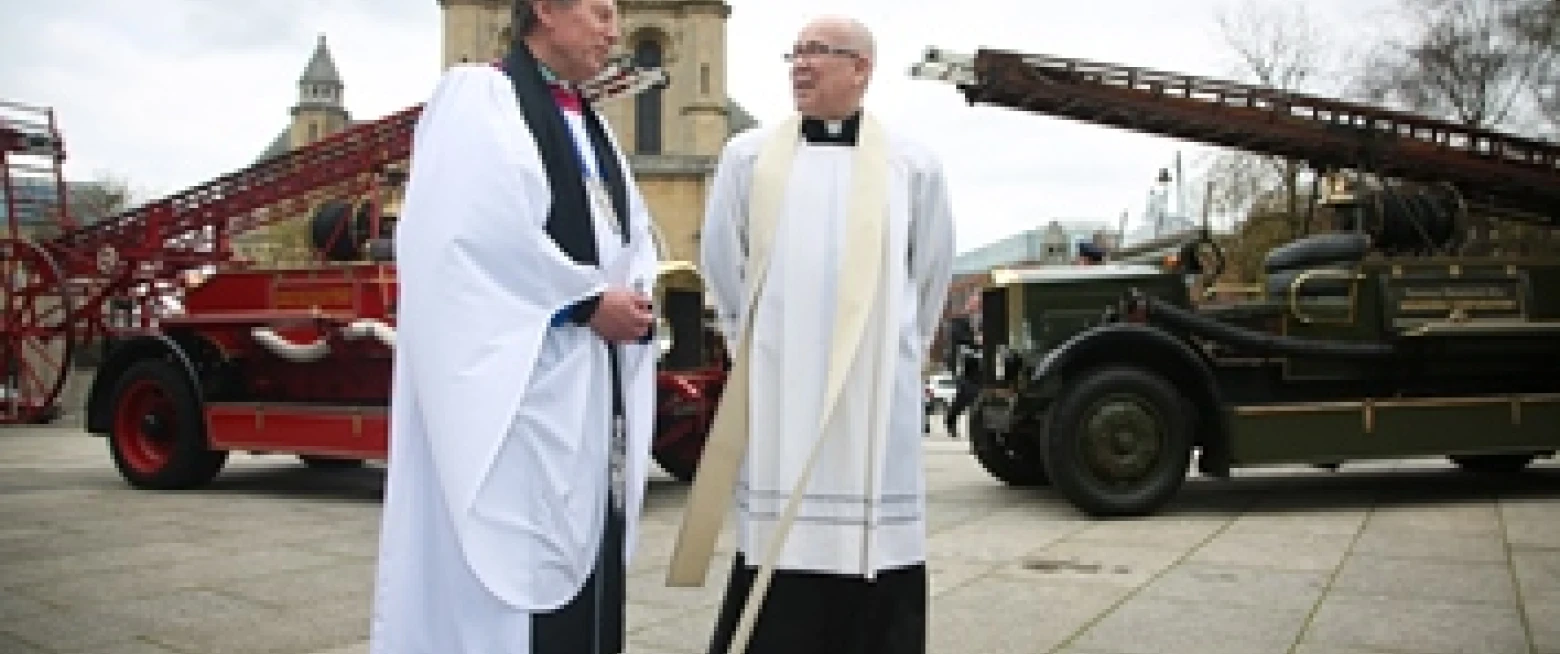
x=1090 y=254
x=963 y=361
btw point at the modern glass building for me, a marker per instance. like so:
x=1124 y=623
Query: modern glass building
x=1054 y=243
x=37 y=202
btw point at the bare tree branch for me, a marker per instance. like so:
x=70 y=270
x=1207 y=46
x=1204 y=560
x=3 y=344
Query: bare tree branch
x=1278 y=46
x=1537 y=24
x=107 y=194
x=1476 y=62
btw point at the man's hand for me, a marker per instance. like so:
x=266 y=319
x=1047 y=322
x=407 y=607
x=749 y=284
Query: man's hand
x=622 y=316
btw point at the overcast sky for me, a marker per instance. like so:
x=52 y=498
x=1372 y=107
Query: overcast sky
x=171 y=93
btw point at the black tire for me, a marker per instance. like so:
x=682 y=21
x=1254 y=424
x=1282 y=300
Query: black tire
x=157 y=434
x=337 y=231
x=1492 y=464
x=1129 y=478
x=1317 y=250
x=680 y=468
x=996 y=452
x=679 y=455
x=329 y=462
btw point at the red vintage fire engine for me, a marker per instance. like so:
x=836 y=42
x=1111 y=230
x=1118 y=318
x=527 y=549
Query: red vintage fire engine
x=206 y=355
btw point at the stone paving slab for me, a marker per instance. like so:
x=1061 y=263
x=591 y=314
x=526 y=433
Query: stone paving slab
x=1420 y=626
x=1151 y=625
x=1406 y=557
x=1240 y=586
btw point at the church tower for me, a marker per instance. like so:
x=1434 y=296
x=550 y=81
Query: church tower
x=475 y=31
x=319 y=112
x=672 y=136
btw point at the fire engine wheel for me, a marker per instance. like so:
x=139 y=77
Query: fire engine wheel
x=1118 y=442
x=158 y=438
x=996 y=452
x=36 y=337
x=329 y=462
x=679 y=442
x=1493 y=463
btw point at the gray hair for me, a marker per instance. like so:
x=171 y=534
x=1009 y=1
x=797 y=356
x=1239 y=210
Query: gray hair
x=522 y=16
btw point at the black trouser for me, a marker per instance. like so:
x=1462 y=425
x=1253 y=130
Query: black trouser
x=962 y=399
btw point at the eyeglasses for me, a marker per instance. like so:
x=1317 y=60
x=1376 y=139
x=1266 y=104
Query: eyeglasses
x=816 y=49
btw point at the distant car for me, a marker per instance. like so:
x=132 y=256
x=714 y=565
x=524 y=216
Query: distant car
x=940 y=389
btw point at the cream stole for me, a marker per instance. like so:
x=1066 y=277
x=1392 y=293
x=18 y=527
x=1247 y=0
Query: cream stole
x=865 y=235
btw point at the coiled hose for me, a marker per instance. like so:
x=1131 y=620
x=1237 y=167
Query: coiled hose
x=1254 y=342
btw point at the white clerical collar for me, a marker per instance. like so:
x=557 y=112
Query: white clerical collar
x=831 y=132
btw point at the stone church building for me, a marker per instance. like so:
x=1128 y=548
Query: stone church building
x=672 y=136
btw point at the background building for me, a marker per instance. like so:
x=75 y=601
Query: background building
x=673 y=136
x=38 y=210
x=1054 y=243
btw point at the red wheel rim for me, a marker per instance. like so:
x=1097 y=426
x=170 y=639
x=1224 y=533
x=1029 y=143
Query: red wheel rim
x=35 y=332
x=145 y=424
x=680 y=435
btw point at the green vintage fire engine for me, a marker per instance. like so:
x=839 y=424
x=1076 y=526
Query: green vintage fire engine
x=1407 y=329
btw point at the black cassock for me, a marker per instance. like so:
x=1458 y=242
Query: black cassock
x=591 y=623
x=820 y=613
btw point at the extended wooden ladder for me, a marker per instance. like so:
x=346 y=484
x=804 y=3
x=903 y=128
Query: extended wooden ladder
x=1509 y=175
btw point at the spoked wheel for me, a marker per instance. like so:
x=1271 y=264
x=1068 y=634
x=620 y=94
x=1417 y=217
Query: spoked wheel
x=679 y=442
x=1119 y=442
x=158 y=439
x=37 y=340
x=681 y=427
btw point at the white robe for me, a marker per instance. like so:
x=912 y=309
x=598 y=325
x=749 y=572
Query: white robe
x=864 y=508
x=497 y=484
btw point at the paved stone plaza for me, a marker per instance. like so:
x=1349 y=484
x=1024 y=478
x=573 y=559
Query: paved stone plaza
x=1411 y=558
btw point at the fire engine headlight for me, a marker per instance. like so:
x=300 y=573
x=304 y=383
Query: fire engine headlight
x=663 y=336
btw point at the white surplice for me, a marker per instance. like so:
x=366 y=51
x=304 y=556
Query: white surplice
x=497 y=486
x=864 y=507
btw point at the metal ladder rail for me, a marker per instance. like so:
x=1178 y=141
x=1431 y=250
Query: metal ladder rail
x=1439 y=133
x=229 y=203
x=291 y=182
x=1514 y=175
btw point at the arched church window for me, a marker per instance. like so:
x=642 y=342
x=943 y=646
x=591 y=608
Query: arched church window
x=704 y=79
x=647 y=105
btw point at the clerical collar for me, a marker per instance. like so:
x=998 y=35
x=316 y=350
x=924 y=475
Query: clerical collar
x=831 y=132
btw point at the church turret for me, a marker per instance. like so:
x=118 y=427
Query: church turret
x=319 y=111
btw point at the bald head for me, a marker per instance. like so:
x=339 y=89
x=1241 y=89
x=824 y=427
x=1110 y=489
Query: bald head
x=847 y=31
x=831 y=64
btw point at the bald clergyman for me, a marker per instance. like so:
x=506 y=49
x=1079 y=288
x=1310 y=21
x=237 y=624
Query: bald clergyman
x=840 y=233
